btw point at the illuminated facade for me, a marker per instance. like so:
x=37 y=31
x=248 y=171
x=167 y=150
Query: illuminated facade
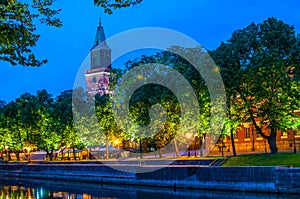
x=246 y=139
x=97 y=77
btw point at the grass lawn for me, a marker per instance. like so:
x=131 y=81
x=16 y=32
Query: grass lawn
x=281 y=159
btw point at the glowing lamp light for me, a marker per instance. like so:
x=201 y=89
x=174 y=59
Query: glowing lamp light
x=189 y=135
x=116 y=142
x=28 y=149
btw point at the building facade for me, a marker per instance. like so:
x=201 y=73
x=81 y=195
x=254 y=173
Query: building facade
x=246 y=139
x=97 y=77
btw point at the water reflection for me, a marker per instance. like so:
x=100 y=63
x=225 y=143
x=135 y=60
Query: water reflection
x=33 y=189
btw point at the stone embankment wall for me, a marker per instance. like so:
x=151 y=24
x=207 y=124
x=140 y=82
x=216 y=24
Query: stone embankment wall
x=252 y=179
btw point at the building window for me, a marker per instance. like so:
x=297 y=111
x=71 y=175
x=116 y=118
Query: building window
x=283 y=133
x=235 y=136
x=247 y=133
x=297 y=131
x=258 y=136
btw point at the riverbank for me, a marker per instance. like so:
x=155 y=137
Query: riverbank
x=249 y=179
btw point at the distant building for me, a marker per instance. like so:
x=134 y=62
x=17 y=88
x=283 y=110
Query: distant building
x=246 y=139
x=97 y=78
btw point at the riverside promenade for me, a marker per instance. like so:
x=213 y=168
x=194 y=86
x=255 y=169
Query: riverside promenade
x=192 y=175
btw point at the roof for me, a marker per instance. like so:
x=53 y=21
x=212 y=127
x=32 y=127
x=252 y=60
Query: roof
x=100 y=39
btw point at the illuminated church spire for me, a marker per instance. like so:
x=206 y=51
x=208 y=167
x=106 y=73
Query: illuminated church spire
x=97 y=78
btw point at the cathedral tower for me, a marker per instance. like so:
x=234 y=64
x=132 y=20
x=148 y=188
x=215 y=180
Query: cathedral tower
x=97 y=78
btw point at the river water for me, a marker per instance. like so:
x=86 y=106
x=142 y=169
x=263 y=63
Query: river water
x=38 y=189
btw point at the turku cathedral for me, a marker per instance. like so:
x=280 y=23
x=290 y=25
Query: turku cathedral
x=97 y=77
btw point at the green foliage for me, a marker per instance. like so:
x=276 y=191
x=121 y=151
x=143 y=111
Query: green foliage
x=110 y=5
x=259 y=65
x=107 y=123
x=18 y=30
x=149 y=95
x=18 y=20
x=39 y=121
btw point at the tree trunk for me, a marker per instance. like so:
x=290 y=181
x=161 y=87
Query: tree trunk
x=8 y=155
x=89 y=154
x=141 y=149
x=176 y=148
x=159 y=152
x=51 y=155
x=202 y=144
x=74 y=154
x=17 y=155
x=272 y=141
x=232 y=142
x=62 y=154
x=47 y=154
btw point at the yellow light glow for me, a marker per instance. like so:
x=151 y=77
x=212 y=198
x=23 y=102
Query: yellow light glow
x=189 y=135
x=116 y=142
x=27 y=149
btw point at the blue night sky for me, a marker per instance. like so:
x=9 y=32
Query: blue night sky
x=209 y=22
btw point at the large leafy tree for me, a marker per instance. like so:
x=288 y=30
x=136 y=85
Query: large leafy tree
x=18 y=29
x=150 y=95
x=14 y=134
x=108 y=128
x=18 y=20
x=232 y=80
x=260 y=65
x=45 y=136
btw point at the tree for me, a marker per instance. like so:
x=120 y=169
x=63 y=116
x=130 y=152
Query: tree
x=18 y=20
x=2 y=129
x=14 y=135
x=156 y=94
x=63 y=117
x=45 y=135
x=108 y=126
x=260 y=65
x=232 y=79
x=109 y=5
x=17 y=29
